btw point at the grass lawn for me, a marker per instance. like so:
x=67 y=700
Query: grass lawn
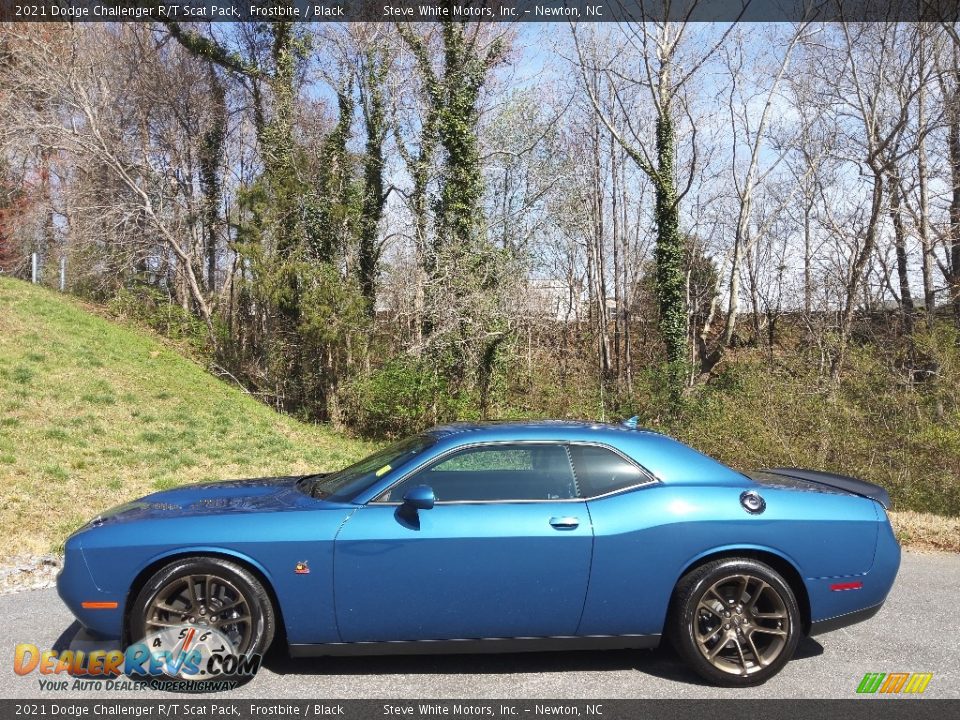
x=94 y=413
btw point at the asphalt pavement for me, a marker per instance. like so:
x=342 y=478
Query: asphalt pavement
x=918 y=630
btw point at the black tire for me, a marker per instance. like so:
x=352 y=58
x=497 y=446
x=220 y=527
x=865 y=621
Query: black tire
x=713 y=613
x=258 y=633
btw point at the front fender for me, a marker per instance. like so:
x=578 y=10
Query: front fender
x=273 y=545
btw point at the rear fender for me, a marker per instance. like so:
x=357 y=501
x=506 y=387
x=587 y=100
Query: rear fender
x=644 y=540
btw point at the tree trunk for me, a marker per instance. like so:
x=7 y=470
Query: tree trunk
x=615 y=231
x=669 y=255
x=752 y=263
x=211 y=156
x=857 y=272
x=953 y=145
x=603 y=338
x=900 y=244
x=926 y=241
x=807 y=260
x=373 y=196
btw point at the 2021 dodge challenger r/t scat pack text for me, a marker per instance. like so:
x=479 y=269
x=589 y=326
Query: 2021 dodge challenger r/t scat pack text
x=499 y=537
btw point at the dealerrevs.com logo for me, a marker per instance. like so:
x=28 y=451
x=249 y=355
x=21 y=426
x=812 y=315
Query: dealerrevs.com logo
x=894 y=683
x=195 y=655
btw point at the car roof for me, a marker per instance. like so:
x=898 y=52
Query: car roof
x=667 y=459
x=515 y=428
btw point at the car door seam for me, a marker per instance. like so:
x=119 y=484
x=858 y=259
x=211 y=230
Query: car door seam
x=586 y=591
x=333 y=572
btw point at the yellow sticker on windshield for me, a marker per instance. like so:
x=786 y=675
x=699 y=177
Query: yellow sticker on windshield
x=383 y=471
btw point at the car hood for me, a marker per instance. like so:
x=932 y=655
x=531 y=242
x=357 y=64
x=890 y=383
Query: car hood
x=270 y=494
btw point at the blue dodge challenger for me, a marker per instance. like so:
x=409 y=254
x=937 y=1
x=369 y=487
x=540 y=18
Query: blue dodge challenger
x=499 y=537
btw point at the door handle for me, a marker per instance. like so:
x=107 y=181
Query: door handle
x=565 y=523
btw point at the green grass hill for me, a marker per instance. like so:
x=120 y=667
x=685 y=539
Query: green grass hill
x=94 y=413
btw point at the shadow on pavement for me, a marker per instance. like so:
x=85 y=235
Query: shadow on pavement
x=76 y=637
x=661 y=663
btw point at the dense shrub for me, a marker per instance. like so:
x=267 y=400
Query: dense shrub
x=875 y=423
x=405 y=395
x=892 y=418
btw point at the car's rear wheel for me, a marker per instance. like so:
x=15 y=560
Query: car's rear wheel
x=735 y=621
x=206 y=592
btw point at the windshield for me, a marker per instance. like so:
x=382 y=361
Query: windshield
x=346 y=484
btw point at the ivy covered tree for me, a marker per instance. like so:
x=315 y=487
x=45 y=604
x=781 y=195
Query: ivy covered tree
x=296 y=226
x=464 y=323
x=664 y=80
x=374 y=65
x=211 y=153
x=333 y=204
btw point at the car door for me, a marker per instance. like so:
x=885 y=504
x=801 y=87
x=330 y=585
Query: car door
x=629 y=589
x=504 y=552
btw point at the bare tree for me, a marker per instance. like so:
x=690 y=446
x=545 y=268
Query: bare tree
x=90 y=108
x=755 y=138
x=869 y=78
x=665 y=75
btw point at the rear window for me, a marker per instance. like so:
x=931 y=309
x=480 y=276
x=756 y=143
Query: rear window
x=601 y=471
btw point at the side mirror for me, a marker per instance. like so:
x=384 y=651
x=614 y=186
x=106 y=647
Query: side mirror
x=420 y=497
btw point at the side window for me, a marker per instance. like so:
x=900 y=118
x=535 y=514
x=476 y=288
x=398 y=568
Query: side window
x=500 y=472
x=601 y=471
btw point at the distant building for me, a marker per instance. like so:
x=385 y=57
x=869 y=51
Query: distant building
x=550 y=299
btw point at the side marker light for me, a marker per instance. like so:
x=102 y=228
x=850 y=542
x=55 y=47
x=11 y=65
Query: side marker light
x=837 y=587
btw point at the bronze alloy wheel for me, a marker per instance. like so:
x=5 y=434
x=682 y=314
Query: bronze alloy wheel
x=208 y=592
x=204 y=600
x=735 y=621
x=741 y=624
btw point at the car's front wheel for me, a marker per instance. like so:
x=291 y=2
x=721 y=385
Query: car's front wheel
x=205 y=593
x=735 y=621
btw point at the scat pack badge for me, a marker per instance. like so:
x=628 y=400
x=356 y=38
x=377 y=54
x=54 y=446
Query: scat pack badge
x=301 y=568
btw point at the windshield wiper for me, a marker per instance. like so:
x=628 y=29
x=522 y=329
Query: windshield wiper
x=310 y=484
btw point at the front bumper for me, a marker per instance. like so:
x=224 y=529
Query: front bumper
x=99 y=611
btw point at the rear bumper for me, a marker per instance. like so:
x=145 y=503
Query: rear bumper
x=819 y=627
x=835 y=604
